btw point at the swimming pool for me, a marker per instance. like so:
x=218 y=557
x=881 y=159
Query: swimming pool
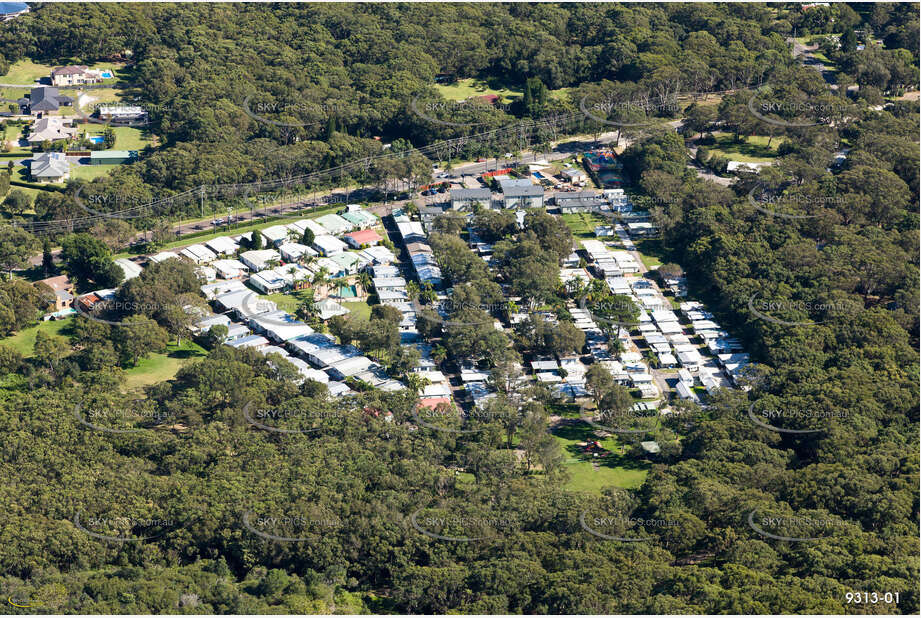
x=97 y=139
x=106 y=75
x=538 y=175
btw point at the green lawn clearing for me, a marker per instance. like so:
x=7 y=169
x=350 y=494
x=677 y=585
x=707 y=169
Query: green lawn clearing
x=583 y=224
x=752 y=149
x=357 y=308
x=162 y=366
x=470 y=87
x=592 y=474
x=89 y=172
x=24 y=340
x=126 y=138
x=26 y=72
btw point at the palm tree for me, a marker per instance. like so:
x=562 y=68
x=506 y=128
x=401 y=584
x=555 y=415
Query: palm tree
x=294 y=236
x=428 y=293
x=364 y=279
x=320 y=278
x=412 y=290
x=417 y=382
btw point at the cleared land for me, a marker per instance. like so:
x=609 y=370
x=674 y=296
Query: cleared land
x=753 y=149
x=24 y=340
x=162 y=366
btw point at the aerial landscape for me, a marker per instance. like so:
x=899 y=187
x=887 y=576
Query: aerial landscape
x=459 y=308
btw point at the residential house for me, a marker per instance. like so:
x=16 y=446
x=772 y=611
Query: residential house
x=213 y=290
x=245 y=303
x=162 y=257
x=328 y=308
x=378 y=255
x=328 y=245
x=198 y=254
x=295 y=251
x=275 y=235
x=74 y=75
x=51 y=129
x=334 y=224
x=268 y=281
x=577 y=201
x=360 y=219
x=47 y=99
x=251 y=341
x=362 y=238
x=260 y=259
x=62 y=290
x=222 y=245
x=280 y=326
x=229 y=269
x=49 y=167
x=574 y=175
x=349 y=263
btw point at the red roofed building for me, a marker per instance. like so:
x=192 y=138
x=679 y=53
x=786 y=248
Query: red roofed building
x=362 y=238
x=432 y=403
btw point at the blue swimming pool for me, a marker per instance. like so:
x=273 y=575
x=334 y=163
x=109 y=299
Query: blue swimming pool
x=106 y=75
x=538 y=175
x=97 y=139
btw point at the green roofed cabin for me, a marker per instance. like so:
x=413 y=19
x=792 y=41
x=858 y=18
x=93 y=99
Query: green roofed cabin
x=112 y=157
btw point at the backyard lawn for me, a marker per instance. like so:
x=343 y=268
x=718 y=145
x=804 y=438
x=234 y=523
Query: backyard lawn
x=357 y=308
x=126 y=138
x=89 y=172
x=583 y=224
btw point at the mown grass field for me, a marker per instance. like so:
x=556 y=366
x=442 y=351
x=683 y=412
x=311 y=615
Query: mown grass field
x=24 y=340
x=615 y=470
x=89 y=172
x=753 y=149
x=162 y=366
x=583 y=224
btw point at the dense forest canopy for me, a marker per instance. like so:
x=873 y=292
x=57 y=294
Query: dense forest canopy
x=206 y=486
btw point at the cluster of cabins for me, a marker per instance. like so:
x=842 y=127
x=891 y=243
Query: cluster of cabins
x=660 y=327
x=343 y=245
x=256 y=323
